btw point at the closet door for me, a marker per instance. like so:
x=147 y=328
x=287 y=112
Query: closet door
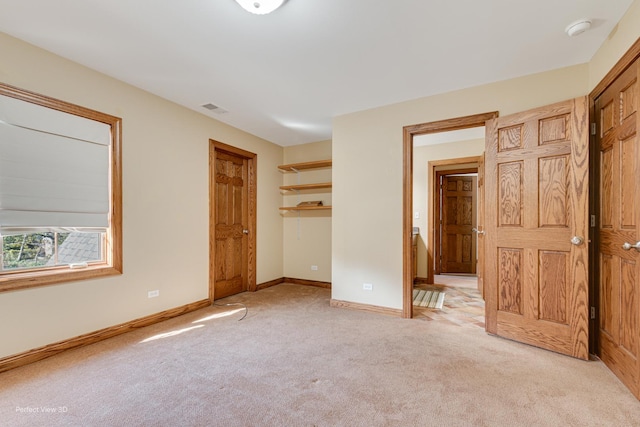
x=617 y=122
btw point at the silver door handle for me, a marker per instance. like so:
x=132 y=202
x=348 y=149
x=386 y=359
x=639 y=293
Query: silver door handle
x=475 y=230
x=577 y=240
x=627 y=246
x=245 y=231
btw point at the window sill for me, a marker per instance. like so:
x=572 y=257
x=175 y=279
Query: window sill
x=25 y=280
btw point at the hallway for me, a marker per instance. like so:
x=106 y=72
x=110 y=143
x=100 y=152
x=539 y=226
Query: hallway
x=463 y=304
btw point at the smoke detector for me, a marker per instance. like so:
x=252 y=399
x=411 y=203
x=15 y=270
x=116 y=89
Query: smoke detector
x=578 y=27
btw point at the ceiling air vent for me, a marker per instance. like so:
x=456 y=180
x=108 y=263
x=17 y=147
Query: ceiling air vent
x=214 y=108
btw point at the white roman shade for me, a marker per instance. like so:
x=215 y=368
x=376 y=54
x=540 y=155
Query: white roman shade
x=54 y=169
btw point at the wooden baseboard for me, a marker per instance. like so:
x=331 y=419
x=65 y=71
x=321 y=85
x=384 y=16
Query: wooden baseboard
x=269 y=284
x=421 y=281
x=304 y=282
x=49 y=350
x=366 y=307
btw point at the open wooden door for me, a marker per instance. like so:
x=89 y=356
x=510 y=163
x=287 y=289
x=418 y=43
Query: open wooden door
x=536 y=252
x=617 y=122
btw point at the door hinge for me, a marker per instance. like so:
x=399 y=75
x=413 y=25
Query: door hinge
x=593 y=128
x=593 y=221
x=593 y=313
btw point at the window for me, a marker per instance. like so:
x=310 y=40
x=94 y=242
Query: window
x=51 y=249
x=60 y=191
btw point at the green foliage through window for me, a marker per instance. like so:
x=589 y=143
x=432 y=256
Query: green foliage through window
x=48 y=249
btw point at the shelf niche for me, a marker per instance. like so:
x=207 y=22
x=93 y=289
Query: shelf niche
x=297 y=167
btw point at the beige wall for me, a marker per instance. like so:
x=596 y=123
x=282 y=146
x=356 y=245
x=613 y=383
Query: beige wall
x=367 y=169
x=422 y=185
x=166 y=206
x=307 y=235
x=619 y=41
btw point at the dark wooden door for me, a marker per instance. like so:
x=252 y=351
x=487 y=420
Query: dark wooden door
x=459 y=218
x=231 y=224
x=536 y=249
x=617 y=122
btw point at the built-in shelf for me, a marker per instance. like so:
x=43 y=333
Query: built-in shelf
x=304 y=208
x=316 y=186
x=305 y=165
x=297 y=168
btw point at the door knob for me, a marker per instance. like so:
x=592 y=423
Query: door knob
x=627 y=246
x=577 y=240
x=245 y=231
x=475 y=230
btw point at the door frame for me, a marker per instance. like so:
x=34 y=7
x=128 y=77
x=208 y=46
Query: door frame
x=214 y=148
x=630 y=56
x=408 y=132
x=434 y=239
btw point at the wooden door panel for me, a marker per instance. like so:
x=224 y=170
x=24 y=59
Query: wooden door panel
x=535 y=280
x=608 y=304
x=555 y=129
x=554 y=192
x=617 y=121
x=606 y=186
x=629 y=312
x=554 y=272
x=628 y=163
x=510 y=195
x=510 y=280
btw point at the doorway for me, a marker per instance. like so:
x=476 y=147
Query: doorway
x=232 y=220
x=408 y=210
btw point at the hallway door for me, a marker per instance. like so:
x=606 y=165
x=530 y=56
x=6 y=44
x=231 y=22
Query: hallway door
x=459 y=214
x=536 y=248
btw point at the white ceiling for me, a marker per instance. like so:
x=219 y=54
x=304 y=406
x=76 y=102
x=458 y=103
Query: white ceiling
x=284 y=76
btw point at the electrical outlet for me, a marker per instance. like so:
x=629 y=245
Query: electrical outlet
x=416 y=214
x=314 y=267
x=367 y=286
x=153 y=294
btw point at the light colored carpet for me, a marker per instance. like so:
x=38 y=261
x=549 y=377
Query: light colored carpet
x=295 y=361
x=428 y=298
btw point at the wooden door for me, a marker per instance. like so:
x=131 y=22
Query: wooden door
x=231 y=224
x=459 y=217
x=619 y=223
x=536 y=187
x=479 y=229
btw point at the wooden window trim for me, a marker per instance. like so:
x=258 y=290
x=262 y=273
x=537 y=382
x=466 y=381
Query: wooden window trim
x=112 y=265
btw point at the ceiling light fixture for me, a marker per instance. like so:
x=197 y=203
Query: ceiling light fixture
x=578 y=27
x=260 y=7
